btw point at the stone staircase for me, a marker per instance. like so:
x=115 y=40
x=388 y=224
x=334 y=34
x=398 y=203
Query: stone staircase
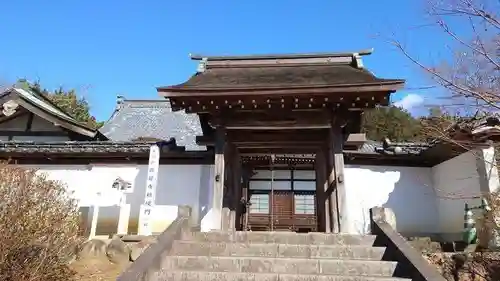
x=276 y=256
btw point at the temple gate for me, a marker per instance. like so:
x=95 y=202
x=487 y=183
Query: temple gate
x=260 y=112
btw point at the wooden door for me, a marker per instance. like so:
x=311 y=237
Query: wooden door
x=282 y=206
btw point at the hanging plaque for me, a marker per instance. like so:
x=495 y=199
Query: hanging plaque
x=150 y=192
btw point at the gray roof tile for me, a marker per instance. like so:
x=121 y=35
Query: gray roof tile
x=103 y=147
x=135 y=119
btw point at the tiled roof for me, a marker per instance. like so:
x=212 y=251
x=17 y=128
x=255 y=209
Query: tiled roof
x=282 y=76
x=135 y=119
x=104 y=147
x=108 y=148
x=282 y=71
x=377 y=147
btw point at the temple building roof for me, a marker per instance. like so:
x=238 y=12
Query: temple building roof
x=297 y=81
x=16 y=101
x=281 y=71
x=281 y=76
x=152 y=119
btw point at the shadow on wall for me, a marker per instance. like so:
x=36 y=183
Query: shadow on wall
x=407 y=191
x=177 y=185
x=413 y=201
x=135 y=199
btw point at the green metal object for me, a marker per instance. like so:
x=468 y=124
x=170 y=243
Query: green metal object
x=470 y=230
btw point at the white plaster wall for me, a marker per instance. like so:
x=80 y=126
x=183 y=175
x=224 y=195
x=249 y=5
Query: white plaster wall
x=408 y=191
x=491 y=169
x=177 y=185
x=457 y=181
x=420 y=197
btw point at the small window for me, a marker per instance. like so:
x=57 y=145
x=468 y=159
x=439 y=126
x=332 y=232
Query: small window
x=304 y=204
x=259 y=204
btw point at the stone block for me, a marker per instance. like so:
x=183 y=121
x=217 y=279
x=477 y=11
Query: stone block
x=117 y=251
x=280 y=265
x=94 y=248
x=357 y=267
x=283 y=238
x=244 y=276
x=193 y=248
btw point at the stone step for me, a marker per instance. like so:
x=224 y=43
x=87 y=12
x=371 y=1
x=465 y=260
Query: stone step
x=239 y=276
x=313 y=238
x=193 y=248
x=280 y=265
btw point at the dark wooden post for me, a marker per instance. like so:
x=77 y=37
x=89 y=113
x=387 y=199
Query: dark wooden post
x=246 y=175
x=227 y=205
x=218 y=186
x=336 y=188
x=321 y=200
x=236 y=219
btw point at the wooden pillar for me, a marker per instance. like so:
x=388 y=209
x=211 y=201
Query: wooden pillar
x=321 y=200
x=246 y=175
x=336 y=188
x=329 y=190
x=227 y=204
x=218 y=186
x=237 y=189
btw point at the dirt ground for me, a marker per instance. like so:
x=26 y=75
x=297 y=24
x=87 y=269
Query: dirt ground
x=97 y=270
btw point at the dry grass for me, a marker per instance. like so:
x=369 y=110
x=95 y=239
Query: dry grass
x=39 y=227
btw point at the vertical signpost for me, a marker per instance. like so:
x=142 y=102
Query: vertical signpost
x=145 y=220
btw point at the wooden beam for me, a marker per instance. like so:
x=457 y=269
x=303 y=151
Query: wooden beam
x=29 y=122
x=264 y=135
x=300 y=139
x=283 y=137
x=269 y=104
x=291 y=150
x=239 y=138
x=310 y=147
x=33 y=133
x=332 y=91
x=98 y=159
x=336 y=186
x=19 y=112
x=278 y=119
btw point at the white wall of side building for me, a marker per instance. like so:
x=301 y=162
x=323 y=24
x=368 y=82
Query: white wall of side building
x=425 y=201
x=177 y=185
x=463 y=179
x=408 y=191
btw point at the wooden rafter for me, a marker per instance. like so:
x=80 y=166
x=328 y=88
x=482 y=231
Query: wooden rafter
x=281 y=101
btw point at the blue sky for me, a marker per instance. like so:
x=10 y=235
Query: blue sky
x=106 y=48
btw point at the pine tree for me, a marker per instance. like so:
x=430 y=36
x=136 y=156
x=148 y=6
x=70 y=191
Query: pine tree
x=67 y=100
x=390 y=122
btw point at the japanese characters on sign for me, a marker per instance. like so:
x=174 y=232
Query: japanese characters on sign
x=149 y=196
